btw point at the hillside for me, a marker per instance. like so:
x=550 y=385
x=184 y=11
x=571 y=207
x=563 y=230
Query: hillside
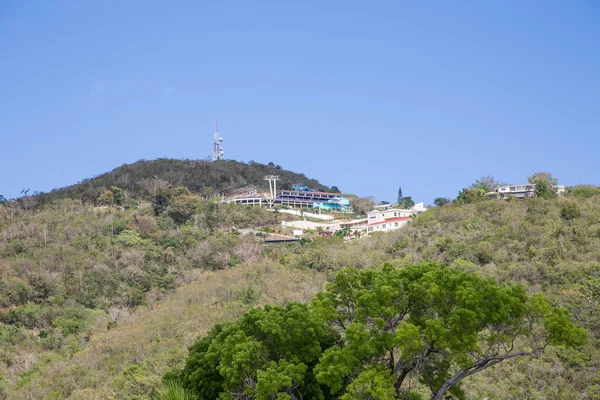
x=100 y=302
x=200 y=176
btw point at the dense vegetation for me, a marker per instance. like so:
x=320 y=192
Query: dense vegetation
x=103 y=287
x=203 y=177
x=376 y=334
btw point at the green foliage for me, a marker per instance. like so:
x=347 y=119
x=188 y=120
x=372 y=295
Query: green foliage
x=467 y=196
x=172 y=390
x=544 y=190
x=406 y=202
x=268 y=353
x=441 y=201
x=570 y=211
x=543 y=182
x=141 y=179
x=487 y=183
x=161 y=199
x=430 y=321
x=111 y=196
x=585 y=191
x=376 y=382
x=107 y=198
x=63 y=255
x=182 y=208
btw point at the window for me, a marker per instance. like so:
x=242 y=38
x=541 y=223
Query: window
x=394 y=213
x=383 y=226
x=396 y=224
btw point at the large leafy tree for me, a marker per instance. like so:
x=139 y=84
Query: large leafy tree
x=471 y=195
x=426 y=326
x=268 y=353
x=544 y=182
x=437 y=323
x=407 y=202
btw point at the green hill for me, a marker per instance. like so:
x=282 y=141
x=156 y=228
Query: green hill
x=199 y=176
x=100 y=302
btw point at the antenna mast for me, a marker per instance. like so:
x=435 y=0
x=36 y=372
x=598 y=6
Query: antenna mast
x=217 y=146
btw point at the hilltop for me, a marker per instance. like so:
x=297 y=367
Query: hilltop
x=207 y=178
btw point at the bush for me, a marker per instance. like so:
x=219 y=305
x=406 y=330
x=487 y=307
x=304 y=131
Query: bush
x=570 y=211
x=585 y=191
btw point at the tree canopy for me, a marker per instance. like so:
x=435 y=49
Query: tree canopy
x=467 y=196
x=209 y=179
x=392 y=333
x=441 y=201
x=487 y=183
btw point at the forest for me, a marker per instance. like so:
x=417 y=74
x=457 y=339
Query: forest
x=114 y=289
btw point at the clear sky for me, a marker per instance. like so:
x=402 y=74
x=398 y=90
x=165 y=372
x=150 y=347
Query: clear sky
x=365 y=95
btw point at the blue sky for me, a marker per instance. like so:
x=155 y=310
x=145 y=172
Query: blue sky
x=363 y=95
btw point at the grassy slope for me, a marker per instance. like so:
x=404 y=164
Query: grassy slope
x=128 y=361
x=528 y=242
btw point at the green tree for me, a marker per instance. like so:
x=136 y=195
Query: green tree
x=107 y=198
x=406 y=202
x=436 y=322
x=423 y=324
x=487 y=183
x=118 y=194
x=441 y=201
x=182 y=208
x=570 y=211
x=161 y=200
x=543 y=182
x=585 y=191
x=267 y=354
x=544 y=190
x=343 y=232
x=400 y=197
x=471 y=195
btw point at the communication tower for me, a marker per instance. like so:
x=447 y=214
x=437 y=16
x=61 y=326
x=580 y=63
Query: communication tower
x=217 y=146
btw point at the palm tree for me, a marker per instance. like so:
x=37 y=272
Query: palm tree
x=172 y=390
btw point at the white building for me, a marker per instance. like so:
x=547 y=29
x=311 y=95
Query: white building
x=333 y=226
x=419 y=207
x=521 y=191
x=388 y=225
x=381 y=215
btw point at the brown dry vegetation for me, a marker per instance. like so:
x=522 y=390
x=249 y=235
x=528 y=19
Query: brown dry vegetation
x=129 y=360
